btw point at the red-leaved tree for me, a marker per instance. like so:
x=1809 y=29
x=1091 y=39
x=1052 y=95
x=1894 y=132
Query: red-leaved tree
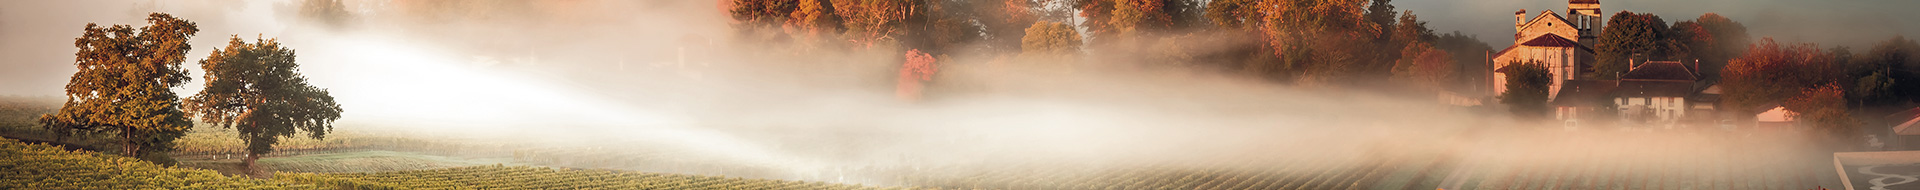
x=914 y=74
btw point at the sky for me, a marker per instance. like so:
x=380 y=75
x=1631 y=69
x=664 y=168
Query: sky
x=36 y=36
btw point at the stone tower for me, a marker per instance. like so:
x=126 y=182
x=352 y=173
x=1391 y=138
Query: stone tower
x=1519 y=21
x=1585 y=15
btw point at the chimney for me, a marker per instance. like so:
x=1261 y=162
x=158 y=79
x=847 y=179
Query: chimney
x=1696 y=67
x=1630 y=61
x=1519 y=18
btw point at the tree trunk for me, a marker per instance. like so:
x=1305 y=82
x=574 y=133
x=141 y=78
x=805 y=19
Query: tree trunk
x=247 y=167
x=248 y=162
x=251 y=155
x=129 y=146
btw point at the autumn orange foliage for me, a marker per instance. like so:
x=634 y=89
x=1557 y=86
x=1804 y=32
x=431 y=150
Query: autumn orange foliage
x=914 y=74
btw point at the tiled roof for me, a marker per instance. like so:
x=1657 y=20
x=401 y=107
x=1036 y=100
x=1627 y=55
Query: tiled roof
x=1583 y=93
x=1547 y=40
x=1660 y=70
x=1551 y=40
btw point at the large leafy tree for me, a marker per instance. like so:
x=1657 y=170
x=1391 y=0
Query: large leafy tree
x=1628 y=34
x=1885 y=74
x=914 y=75
x=1469 y=56
x=1309 y=42
x=1232 y=14
x=330 y=13
x=1724 y=39
x=760 y=21
x=1131 y=17
x=1124 y=20
x=812 y=18
x=124 y=84
x=1006 y=22
x=760 y=13
x=948 y=27
x=1424 y=67
x=257 y=89
x=1408 y=32
x=1324 y=41
x=1824 y=107
x=1526 y=94
x=1771 y=72
x=873 y=22
x=1049 y=38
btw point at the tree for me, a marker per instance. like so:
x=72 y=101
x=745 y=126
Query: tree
x=1770 y=72
x=1628 y=34
x=871 y=22
x=1469 y=56
x=1824 y=107
x=1131 y=17
x=1405 y=34
x=1686 y=39
x=124 y=85
x=1425 y=67
x=257 y=89
x=1050 y=39
x=948 y=26
x=1006 y=23
x=1380 y=12
x=1232 y=14
x=1099 y=14
x=1321 y=41
x=914 y=74
x=330 y=13
x=1728 y=39
x=1526 y=94
x=760 y=13
x=812 y=18
x=1882 y=74
x=1898 y=53
x=1185 y=14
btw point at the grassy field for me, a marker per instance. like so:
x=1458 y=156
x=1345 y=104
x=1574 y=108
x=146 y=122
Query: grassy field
x=524 y=177
x=39 y=166
x=342 y=162
x=353 y=159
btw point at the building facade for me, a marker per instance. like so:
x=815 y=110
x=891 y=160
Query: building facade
x=1564 y=44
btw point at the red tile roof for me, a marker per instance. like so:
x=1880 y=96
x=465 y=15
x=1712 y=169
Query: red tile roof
x=1660 y=71
x=1547 y=40
x=1552 y=40
x=1583 y=93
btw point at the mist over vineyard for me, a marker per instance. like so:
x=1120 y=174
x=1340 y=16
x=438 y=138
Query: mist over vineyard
x=668 y=86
